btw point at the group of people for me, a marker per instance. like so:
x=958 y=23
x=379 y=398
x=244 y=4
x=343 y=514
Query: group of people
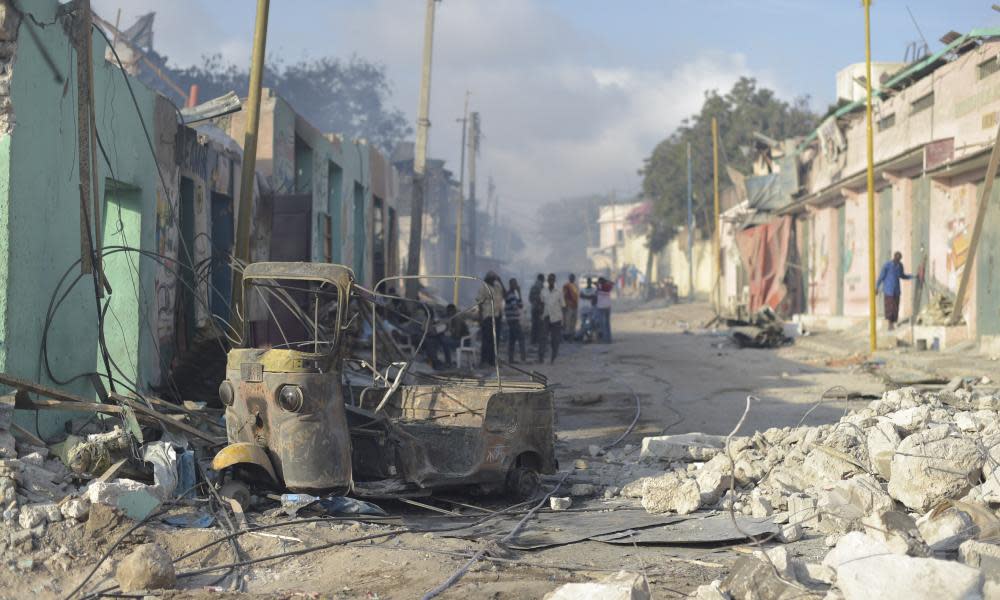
x=553 y=312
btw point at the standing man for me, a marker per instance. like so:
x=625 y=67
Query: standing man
x=537 y=308
x=490 y=301
x=571 y=299
x=888 y=283
x=554 y=304
x=604 y=288
x=513 y=307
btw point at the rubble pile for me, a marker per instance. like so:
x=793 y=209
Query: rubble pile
x=908 y=485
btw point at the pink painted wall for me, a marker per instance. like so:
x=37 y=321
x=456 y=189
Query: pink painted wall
x=902 y=240
x=824 y=262
x=855 y=267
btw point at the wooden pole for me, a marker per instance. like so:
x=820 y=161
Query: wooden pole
x=248 y=168
x=872 y=313
x=461 y=203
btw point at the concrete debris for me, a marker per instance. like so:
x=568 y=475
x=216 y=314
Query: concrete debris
x=790 y=533
x=673 y=492
x=148 y=567
x=714 y=478
x=802 y=510
x=76 y=509
x=623 y=585
x=933 y=465
x=754 y=577
x=688 y=446
x=710 y=591
x=945 y=530
x=897 y=530
x=583 y=489
x=897 y=576
x=846 y=503
x=557 y=503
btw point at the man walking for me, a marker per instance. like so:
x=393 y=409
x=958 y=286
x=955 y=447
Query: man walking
x=888 y=283
x=537 y=308
x=571 y=298
x=554 y=303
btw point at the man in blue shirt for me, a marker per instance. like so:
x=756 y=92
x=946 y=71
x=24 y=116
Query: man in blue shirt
x=888 y=283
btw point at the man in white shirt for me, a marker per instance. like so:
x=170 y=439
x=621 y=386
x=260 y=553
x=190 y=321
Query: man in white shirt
x=553 y=302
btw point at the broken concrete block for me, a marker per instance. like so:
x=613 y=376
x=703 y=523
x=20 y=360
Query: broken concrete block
x=671 y=493
x=714 y=478
x=749 y=468
x=760 y=507
x=710 y=591
x=52 y=512
x=76 y=509
x=623 y=585
x=802 y=510
x=814 y=573
x=790 y=533
x=686 y=446
x=897 y=530
x=966 y=422
x=842 y=506
x=752 y=578
x=6 y=411
x=148 y=567
x=32 y=515
x=779 y=559
x=882 y=439
x=556 y=503
x=933 y=465
x=633 y=489
x=910 y=420
x=945 y=530
x=852 y=548
x=897 y=576
x=822 y=466
x=594 y=450
x=137 y=500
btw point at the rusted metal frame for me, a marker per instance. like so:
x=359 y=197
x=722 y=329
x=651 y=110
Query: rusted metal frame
x=454 y=277
x=977 y=230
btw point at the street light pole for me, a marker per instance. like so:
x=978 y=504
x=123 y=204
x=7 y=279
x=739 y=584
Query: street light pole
x=461 y=202
x=872 y=333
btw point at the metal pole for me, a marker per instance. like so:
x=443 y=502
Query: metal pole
x=249 y=166
x=717 y=236
x=690 y=226
x=461 y=202
x=872 y=334
x=420 y=156
x=473 y=217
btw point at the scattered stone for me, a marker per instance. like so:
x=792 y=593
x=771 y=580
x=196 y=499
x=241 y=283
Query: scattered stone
x=912 y=419
x=611 y=491
x=823 y=466
x=623 y=585
x=752 y=578
x=76 y=509
x=852 y=548
x=556 y=503
x=897 y=530
x=594 y=450
x=634 y=488
x=32 y=515
x=897 y=576
x=710 y=591
x=714 y=478
x=8 y=445
x=687 y=446
x=945 y=530
x=802 y=510
x=933 y=465
x=671 y=493
x=846 y=503
x=882 y=439
x=814 y=573
x=148 y=567
x=580 y=464
x=790 y=533
x=760 y=507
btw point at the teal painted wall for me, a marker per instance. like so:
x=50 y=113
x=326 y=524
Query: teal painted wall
x=39 y=209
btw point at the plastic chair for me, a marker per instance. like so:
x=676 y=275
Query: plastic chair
x=468 y=346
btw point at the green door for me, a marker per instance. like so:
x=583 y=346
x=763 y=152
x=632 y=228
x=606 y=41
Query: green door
x=122 y=227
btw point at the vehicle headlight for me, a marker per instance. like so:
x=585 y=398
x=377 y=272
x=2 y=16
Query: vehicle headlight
x=290 y=398
x=226 y=394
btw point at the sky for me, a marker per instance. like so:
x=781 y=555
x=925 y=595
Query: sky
x=573 y=94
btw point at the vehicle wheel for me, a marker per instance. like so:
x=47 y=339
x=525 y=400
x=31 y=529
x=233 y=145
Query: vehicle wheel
x=523 y=482
x=238 y=491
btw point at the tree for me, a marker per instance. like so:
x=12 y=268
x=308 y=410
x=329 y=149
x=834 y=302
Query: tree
x=349 y=97
x=745 y=109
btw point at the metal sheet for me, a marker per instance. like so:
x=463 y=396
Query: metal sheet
x=708 y=530
x=549 y=528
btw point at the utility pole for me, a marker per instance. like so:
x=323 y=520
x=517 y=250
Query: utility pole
x=461 y=201
x=420 y=156
x=690 y=224
x=717 y=236
x=473 y=151
x=249 y=166
x=872 y=333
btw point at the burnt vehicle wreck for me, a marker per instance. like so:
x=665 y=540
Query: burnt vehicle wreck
x=305 y=414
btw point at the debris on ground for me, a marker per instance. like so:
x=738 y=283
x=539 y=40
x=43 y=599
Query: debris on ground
x=148 y=567
x=622 y=585
x=764 y=329
x=907 y=484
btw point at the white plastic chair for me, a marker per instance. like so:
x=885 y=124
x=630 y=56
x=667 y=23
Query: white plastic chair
x=467 y=345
